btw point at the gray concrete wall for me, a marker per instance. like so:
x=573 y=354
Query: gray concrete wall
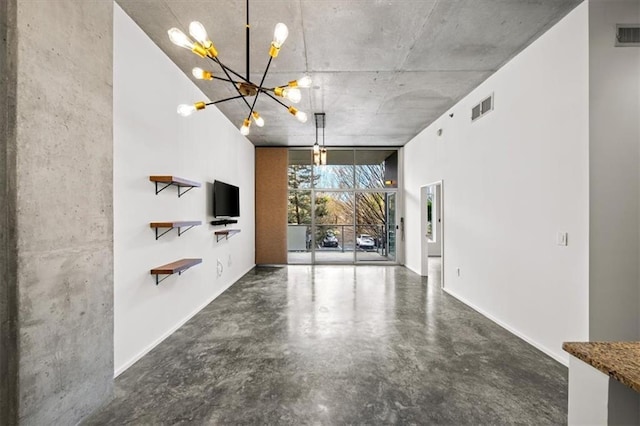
x=614 y=180
x=8 y=259
x=64 y=212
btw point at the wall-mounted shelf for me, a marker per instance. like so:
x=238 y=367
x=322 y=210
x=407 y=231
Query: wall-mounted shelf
x=176 y=181
x=224 y=222
x=171 y=225
x=226 y=234
x=178 y=267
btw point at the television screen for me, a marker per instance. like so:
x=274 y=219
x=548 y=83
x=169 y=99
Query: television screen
x=226 y=200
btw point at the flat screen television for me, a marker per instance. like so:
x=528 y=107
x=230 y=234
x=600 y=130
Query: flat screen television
x=226 y=200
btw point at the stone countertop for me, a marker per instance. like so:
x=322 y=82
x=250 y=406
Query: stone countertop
x=620 y=360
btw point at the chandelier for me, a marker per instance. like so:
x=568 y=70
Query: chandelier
x=245 y=88
x=319 y=153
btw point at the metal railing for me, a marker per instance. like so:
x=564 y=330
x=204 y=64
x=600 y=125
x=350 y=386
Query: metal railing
x=301 y=238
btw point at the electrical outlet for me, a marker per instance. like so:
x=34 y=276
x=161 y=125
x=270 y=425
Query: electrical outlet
x=562 y=238
x=220 y=268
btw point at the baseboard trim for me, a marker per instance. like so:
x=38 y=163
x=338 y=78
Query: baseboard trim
x=562 y=360
x=173 y=329
x=412 y=269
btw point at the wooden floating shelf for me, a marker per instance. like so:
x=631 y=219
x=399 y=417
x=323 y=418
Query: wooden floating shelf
x=178 y=267
x=176 y=181
x=176 y=224
x=226 y=234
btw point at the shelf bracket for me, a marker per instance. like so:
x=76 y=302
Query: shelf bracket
x=158 y=280
x=180 y=232
x=180 y=194
x=225 y=234
x=158 y=236
x=161 y=189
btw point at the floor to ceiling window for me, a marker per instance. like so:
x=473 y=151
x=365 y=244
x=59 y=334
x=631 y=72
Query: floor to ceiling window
x=344 y=211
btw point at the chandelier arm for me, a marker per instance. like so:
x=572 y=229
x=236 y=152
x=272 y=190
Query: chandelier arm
x=224 y=100
x=225 y=79
x=275 y=99
x=261 y=82
x=234 y=86
x=224 y=67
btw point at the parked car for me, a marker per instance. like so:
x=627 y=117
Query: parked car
x=329 y=240
x=365 y=242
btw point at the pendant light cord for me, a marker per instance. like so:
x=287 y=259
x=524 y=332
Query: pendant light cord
x=248 y=29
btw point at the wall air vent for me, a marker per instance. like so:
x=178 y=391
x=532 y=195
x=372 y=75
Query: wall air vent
x=482 y=108
x=476 y=112
x=628 y=35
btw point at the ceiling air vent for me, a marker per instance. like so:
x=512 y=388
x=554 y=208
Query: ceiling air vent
x=628 y=35
x=482 y=108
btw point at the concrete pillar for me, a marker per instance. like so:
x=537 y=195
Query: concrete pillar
x=57 y=175
x=8 y=258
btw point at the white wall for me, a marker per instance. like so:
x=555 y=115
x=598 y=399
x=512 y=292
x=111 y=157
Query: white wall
x=151 y=139
x=614 y=140
x=512 y=180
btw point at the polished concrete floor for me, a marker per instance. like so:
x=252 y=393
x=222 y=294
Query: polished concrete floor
x=339 y=345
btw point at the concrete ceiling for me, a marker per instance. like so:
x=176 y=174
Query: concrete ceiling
x=383 y=70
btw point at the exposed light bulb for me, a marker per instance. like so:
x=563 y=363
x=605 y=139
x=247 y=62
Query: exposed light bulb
x=291 y=93
x=301 y=116
x=259 y=120
x=316 y=154
x=179 y=38
x=294 y=95
x=201 y=74
x=197 y=31
x=304 y=82
x=323 y=156
x=280 y=35
x=186 y=110
x=244 y=130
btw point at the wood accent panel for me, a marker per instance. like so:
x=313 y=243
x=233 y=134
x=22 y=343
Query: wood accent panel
x=271 y=205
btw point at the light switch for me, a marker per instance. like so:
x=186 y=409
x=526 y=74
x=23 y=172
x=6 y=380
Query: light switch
x=562 y=238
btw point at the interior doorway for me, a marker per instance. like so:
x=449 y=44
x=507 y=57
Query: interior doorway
x=432 y=231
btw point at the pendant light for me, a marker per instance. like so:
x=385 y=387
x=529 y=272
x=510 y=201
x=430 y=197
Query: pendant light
x=245 y=88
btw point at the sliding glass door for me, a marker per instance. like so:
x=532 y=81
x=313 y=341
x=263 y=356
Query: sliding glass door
x=375 y=226
x=334 y=236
